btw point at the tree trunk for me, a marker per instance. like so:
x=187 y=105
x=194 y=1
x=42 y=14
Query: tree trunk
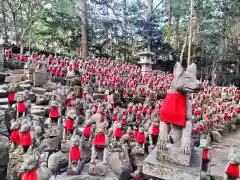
x=125 y=27
x=4 y=21
x=83 y=15
x=184 y=44
x=15 y=26
x=177 y=32
x=149 y=19
x=169 y=22
x=190 y=34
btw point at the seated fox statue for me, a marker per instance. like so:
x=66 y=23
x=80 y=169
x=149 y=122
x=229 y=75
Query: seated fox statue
x=175 y=109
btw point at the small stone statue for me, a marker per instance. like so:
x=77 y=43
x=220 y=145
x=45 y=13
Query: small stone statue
x=70 y=124
x=22 y=106
x=100 y=141
x=15 y=136
x=153 y=133
x=140 y=141
x=206 y=158
x=233 y=168
x=31 y=170
x=88 y=134
x=54 y=115
x=25 y=137
x=74 y=163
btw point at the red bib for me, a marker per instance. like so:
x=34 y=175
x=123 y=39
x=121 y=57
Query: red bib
x=30 y=175
x=21 y=107
x=205 y=154
x=87 y=131
x=130 y=136
x=155 y=130
x=233 y=170
x=11 y=97
x=137 y=178
x=130 y=109
x=54 y=113
x=99 y=140
x=75 y=154
x=102 y=117
x=138 y=116
x=114 y=118
x=15 y=138
x=173 y=109
x=144 y=111
x=118 y=132
x=69 y=102
x=124 y=122
x=69 y=124
x=140 y=137
x=25 y=139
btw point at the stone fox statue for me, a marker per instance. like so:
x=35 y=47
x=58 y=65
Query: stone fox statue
x=175 y=109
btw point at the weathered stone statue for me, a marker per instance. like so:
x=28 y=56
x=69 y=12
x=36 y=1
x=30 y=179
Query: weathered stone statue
x=206 y=158
x=232 y=171
x=54 y=118
x=99 y=157
x=69 y=124
x=75 y=164
x=15 y=136
x=31 y=170
x=22 y=106
x=153 y=133
x=176 y=110
x=25 y=138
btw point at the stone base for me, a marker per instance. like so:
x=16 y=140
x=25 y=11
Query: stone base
x=170 y=171
x=75 y=170
x=98 y=169
x=85 y=176
x=173 y=155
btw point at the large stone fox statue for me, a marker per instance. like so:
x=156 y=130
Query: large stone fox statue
x=176 y=110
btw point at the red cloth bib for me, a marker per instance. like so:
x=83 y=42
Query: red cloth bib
x=140 y=137
x=124 y=122
x=69 y=102
x=54 y=113
x=233 y=170
x=87 y=131
x=21 y=107
x=130 y=109
x=114 y=118
x=69 y=124
x=118 y=132
x=138 y=116
x=155 y=130
x=11 y=97
x=75 y=154
x=15 y=138
x=30 y=175
x=99 y=140
x=144 y=111
x=173 y=109
x=25 y=139
x=102 y=117
x=205 y=154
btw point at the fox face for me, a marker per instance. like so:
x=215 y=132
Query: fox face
x=186 y=81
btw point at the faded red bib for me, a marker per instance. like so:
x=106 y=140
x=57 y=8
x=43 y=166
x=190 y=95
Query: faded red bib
x=25 y=139
x=54 y=113
x=99 y=140
x=30 y=175
x=233 y=170
x=155 y=130
x=75 y=154
x=21 y=107
x=118 y=132
x=87 y=131
x=140 y=137
x=15 y=138
x=69 y=124
x=173 y=109
x=11 y=97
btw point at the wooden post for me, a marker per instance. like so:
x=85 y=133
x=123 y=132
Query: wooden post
x=190 y=34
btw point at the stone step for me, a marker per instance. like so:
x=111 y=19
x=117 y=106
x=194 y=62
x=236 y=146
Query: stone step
x=38 y=90
x=3 y=101
x=3 y=93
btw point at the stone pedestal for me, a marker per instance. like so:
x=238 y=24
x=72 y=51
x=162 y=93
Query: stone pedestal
x=173 y=154
x=29 y=71
x=40 y=78
x=169 y=171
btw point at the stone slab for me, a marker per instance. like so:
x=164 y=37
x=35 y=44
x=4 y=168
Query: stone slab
x=169 y=171
x=3 y=93
x=40 y=78
x=14 y=78
x=38 y=90
x=85 y=176
x=173 y=155
x=3 y=106
x=26 y=86
x=3 y=101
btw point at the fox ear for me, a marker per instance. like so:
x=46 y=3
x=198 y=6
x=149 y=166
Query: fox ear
x=178 y=70
x=192 y=69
